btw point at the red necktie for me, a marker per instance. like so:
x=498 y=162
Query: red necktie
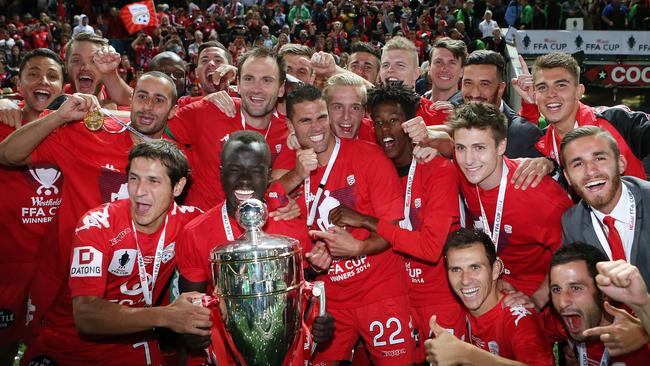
x=615 y=243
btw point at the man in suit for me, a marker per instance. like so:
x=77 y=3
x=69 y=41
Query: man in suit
x=611 y=215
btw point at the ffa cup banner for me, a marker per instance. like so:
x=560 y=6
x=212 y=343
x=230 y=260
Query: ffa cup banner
x=138 y=16
x=614 y=43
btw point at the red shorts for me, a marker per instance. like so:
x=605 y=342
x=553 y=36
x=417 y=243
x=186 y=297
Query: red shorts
x=52 y=348
x=452 y=320
x=386 y=329
x=14 y=283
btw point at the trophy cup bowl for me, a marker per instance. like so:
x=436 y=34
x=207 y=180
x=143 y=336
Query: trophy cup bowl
x=259 y=279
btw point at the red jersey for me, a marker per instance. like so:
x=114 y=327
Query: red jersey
x=207 y=232
x=512 y=332
x=40 y=40
x=30 y=202
x=530 y=228
x=555 y=331
x=104 y=264
x=206 y=129
x=587 y=117
x=364 y=179
x=367 y=131
x=431 y=117
x=94 y=167
x=433 y=215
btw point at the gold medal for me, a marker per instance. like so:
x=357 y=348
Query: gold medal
x=94 y=120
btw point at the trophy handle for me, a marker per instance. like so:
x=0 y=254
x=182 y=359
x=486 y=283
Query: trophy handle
x=319 y=292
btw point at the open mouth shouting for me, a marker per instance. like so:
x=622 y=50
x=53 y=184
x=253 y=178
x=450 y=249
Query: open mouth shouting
x=573 y=321
x=85 y=83
x=42 y=96
x=142 y=208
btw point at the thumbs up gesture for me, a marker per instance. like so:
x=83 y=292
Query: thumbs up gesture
x=624 y=335
x=444 y=348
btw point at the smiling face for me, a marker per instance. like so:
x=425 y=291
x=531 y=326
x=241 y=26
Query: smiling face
x=150 y=193
x=209 y=60
x=481 y=84
x=575 y=297
x=40 y=82
x=594 y=171
x=388 y=118
x=479 y=157
x=245 y=172
x=445 y=70
x=312 y=126
x=83 y=73
x=398 y=65
x=472 y=277
x=151 y=105
x=345 y=109
x=259 y=86
x=557 y=94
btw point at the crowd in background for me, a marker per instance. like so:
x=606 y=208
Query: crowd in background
x=330 y=26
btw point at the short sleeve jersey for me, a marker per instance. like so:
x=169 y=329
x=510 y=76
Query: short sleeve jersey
x=206 y=233
x=531 y=229
x=30 y=202
x=104 y=264
x=364 y=179
x=511 y=332
x=206 y=129
x=434 y=213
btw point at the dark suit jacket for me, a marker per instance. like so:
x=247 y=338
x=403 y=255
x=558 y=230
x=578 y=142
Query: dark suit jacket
x=522 y=136
x=577 y=226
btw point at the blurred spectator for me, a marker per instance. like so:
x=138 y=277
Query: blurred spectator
x=571 y=9
x=614 y=15
x=539 y=15
x=553 y=14
x=526 y=20
x=235 y=13
x=144 y=50
x=126 y=70
x=299 y=15
x=497 y=43
x=466 y=15
x=487 y=25
x=83 y=26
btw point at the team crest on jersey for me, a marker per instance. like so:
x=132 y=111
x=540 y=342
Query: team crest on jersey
x=46 y=178
x=519 y=312
x=417 y=202
x=493 y=346
x=507 y=229
x=86 y=262
x=350 y=179
x=168 y=252
x=278 y=148
x=123 y=262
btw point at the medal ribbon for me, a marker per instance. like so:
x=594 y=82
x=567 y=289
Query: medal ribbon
x=406 y=222
x=582 y=355
x=321 y=185
x=498 y=213
x=128 y=127
x=147 y=292
x=226 y=223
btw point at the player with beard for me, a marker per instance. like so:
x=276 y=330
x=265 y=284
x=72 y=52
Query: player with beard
x=597 y=332
x=399 y=62
x=261 y=81
x=431 y=211
x=497 y=334
x=557 y=93
x=496 y=207
x=358 y=175
x=30 y=203
x=245 y=173
x=121 y=260
x=612 y=213
x=93 y=164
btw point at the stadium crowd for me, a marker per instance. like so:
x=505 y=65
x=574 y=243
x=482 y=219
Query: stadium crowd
x=447 y=227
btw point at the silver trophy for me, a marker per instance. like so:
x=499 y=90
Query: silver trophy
x=259 y=278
